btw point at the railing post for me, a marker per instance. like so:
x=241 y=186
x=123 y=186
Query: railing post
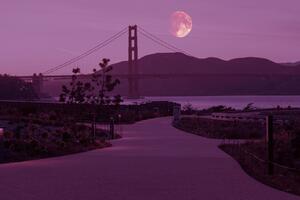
x=176 y=113
x=93 y=126
x=270 y=144
x=112 y=128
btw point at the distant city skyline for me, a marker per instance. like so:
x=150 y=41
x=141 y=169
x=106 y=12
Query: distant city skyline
x=37 y=35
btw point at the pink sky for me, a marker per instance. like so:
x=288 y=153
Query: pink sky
x=37 y=35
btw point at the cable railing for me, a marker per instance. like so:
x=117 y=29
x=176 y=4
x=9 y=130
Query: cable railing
x=236 y=147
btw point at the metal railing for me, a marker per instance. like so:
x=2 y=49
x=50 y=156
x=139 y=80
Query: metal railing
x=255 y=163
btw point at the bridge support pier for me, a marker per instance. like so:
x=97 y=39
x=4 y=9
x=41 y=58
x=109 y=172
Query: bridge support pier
x=37 y=83
x=133 y=63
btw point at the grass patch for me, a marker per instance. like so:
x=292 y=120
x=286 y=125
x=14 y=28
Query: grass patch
x=252 y=158
x=221 y=129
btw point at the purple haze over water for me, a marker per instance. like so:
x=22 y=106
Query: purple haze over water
x=238 y=102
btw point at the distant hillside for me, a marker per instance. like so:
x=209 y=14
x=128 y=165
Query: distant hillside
x=177 y=63
x=241 y=76
x=291 y=64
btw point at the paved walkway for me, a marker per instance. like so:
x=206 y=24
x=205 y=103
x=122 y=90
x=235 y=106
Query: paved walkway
x=153 y=161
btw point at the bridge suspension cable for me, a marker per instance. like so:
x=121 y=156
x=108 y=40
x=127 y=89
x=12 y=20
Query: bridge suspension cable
x=106 y=42
x=87 y=53
x=159 y=41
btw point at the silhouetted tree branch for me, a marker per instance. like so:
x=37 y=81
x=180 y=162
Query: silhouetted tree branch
x=77 y=92
x=103 y=84
x=96 y=92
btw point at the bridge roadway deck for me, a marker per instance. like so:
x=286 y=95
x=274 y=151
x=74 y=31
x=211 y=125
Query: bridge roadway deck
x=168 y=76
x=152 y=161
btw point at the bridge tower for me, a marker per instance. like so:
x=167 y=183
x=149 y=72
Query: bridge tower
x=133 y=70
x=37 y=83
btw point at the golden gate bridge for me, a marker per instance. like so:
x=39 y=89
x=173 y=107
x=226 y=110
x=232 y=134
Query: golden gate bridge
x=133 y=75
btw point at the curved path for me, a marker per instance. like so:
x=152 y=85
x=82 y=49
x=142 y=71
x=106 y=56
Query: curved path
x=153 y=161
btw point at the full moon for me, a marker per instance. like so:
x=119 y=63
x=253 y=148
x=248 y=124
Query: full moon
x=181 y=24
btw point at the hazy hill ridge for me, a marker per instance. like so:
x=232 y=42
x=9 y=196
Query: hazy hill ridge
x=240 y=76
x=178 y=63
x=214 y=76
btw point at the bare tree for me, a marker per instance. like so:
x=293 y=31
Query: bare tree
x=96 y=92
x=77 y=92
x=103 y=84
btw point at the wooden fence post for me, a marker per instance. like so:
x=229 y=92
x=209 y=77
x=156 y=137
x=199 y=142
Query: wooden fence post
x=112 y=128
x=176 y=113
x=270 y=144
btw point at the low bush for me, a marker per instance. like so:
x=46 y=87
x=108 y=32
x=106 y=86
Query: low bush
x=33 y=141
x=221 y=129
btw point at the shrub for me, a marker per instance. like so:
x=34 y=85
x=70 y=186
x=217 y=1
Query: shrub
x=221 y=129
